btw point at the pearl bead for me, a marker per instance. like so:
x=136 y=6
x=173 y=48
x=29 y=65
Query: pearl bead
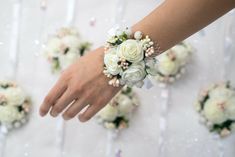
x=138 y=35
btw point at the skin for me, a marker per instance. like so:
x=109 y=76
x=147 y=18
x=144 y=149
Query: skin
x=83 y=83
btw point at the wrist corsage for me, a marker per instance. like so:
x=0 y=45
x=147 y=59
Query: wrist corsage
x=216 y=106
x=116 y=114
x=14 y=106
x=127 y=60
x=63 y=48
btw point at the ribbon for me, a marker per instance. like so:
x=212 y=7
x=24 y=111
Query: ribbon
x=111 y=136
x=60 y=136
x=120 y=11
x=3 y=136
x=228 y=43
x=13 y=58
x=39 y=40
x=228 y=49
x=14 y=43
x=220 y=144
x=165 y=91
x=71 y=11
x=70 y=16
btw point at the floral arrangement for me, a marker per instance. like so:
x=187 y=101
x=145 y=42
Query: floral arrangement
x=127 y=60
x=14 y=105
x=171 y=64
x=116 y=114
x=216 y=105
x=63 y=48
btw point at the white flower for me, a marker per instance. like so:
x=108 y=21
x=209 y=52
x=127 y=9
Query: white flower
x=151 y=66
x=227 y=96
x=230 y=108
x=53 y=47
x=221 y=92
x=197 y=106
x=232 y=127
x=125 y=105
x=134 y=74
x=109 y=125
x=108 y=113
x=182 y=52
x=9 y=114
x=214 y=112
x=111 y=61
x=68 y=59
x=67 y=31
x=14 y=96
x=72 y=42
x=167 y=66
x=131 y=50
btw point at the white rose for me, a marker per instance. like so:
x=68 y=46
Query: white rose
x=232 y=127
x=109 y=125
x=125 y=105
x=111 y=61
x=213 y=111
x=167 y=66
x=230 y=108
x=221 y=92
x=134 y=74
x=68 y=59
x=53 y=47
x=108 y=113
x=151 y=66
x=67 y=31
x=197 y=106
x=182 y=52
x=9 y=114
x=14 y=96
x=131 y=50
x=71 y=41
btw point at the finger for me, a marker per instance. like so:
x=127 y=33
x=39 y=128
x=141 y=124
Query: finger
x=75 y=108
x=55 y=93
x=90 y=112
x=65 y=100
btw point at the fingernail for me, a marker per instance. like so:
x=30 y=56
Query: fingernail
x=41 y=113
x=65 y=117
x=81 y=119
x=54 y=114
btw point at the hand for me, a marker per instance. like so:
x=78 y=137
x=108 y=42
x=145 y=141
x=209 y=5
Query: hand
x=82 y=85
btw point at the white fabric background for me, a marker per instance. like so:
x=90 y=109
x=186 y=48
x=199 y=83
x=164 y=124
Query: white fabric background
x=185 y=136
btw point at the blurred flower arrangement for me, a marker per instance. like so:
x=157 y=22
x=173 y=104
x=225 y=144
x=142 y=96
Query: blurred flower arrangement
x=64 y=47
x=171 y=64
x=216 y=105
x=116 y=114
x=14 y=105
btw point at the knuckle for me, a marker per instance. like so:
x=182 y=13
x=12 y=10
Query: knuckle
x=77 y=88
